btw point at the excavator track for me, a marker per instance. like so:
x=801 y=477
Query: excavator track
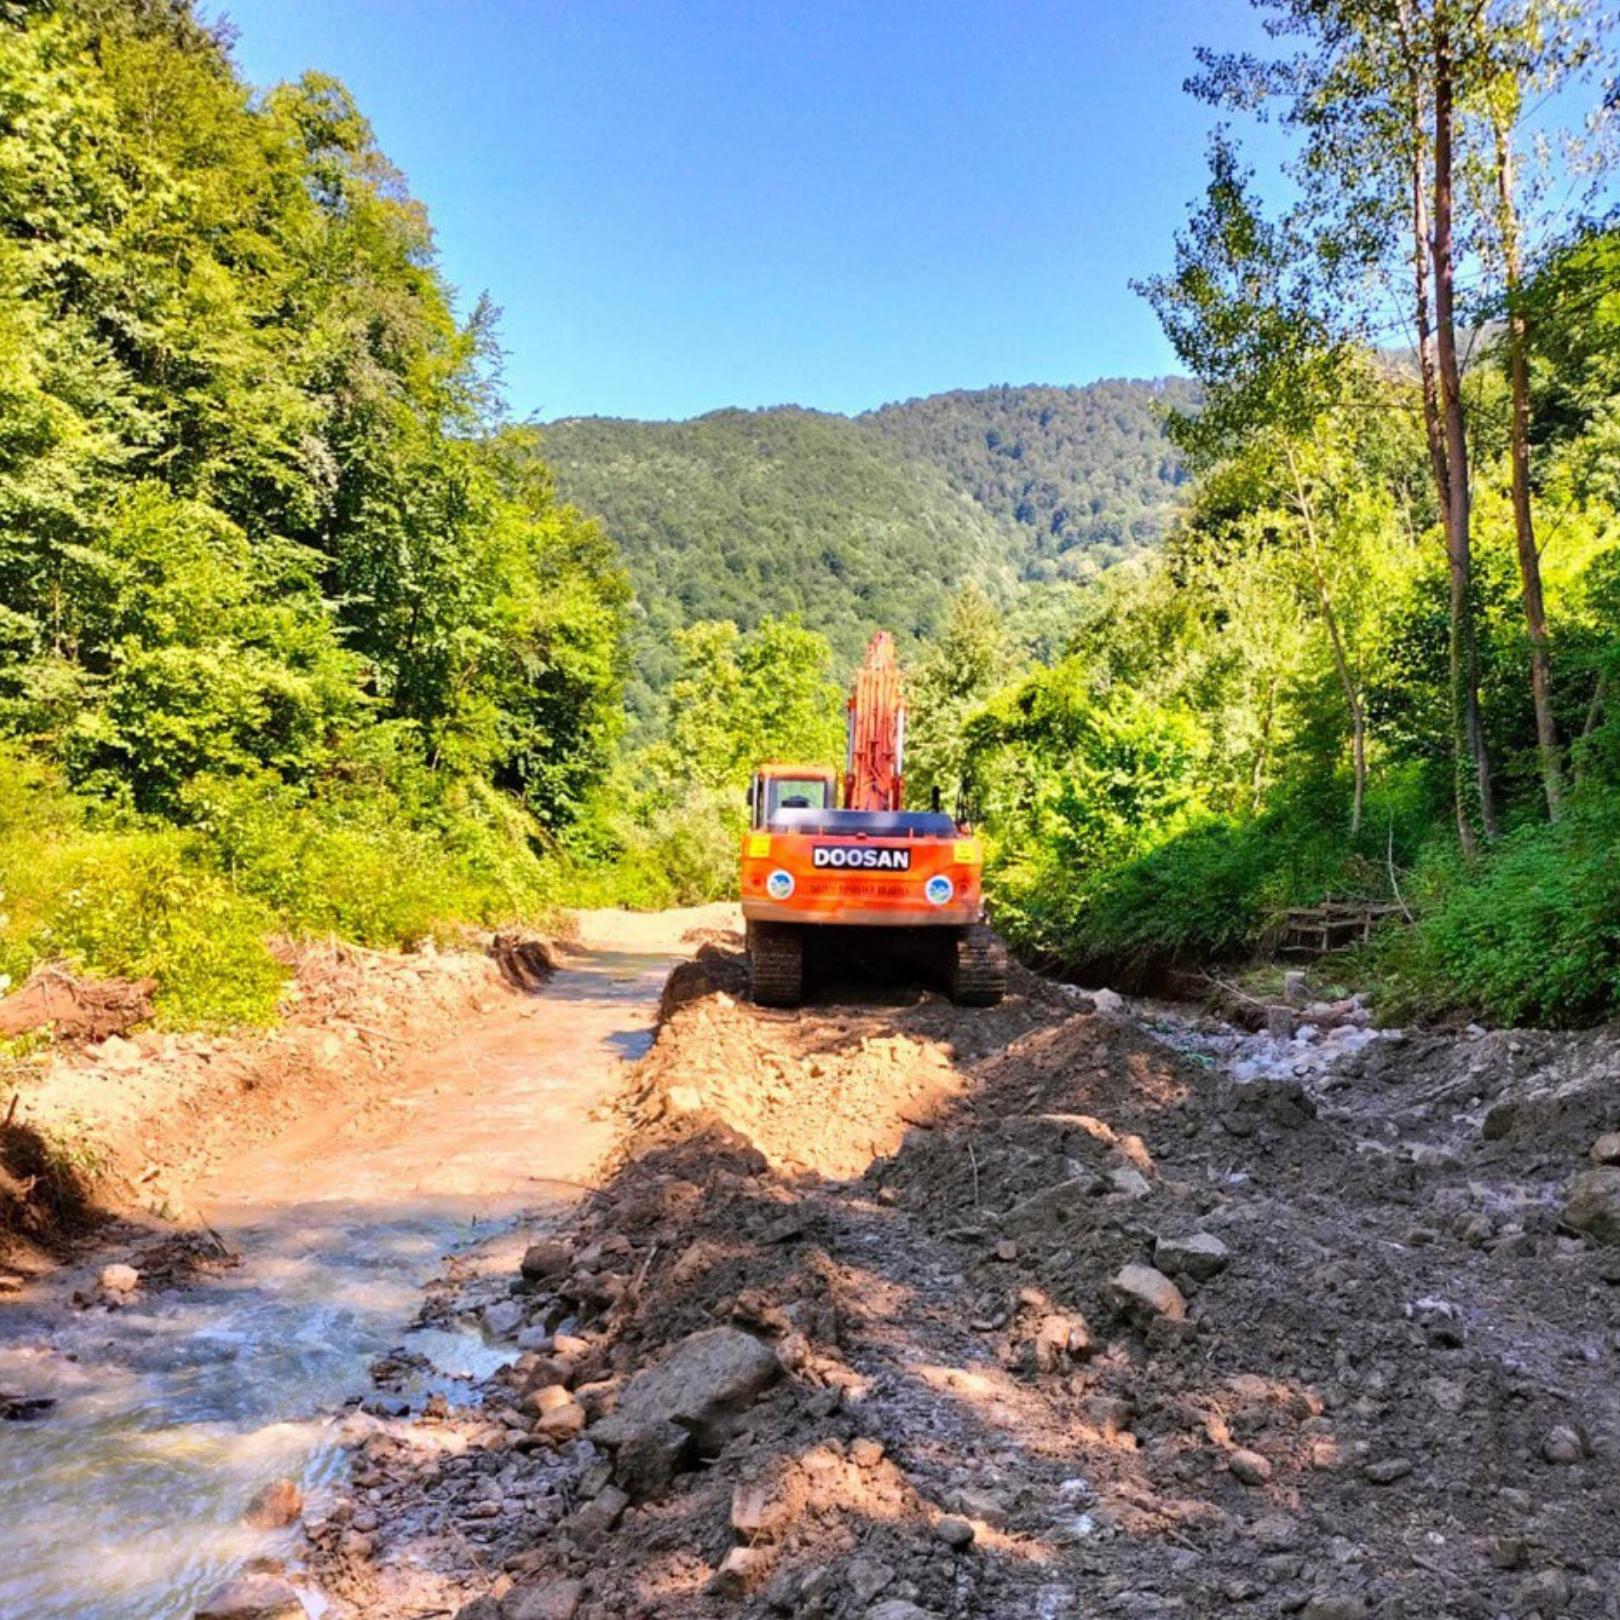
x=776 y=964
x=978 y=967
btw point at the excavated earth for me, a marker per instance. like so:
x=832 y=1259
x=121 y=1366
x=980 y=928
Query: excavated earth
x=891 y=1310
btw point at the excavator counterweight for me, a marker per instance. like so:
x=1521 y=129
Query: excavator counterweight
x=812 y=866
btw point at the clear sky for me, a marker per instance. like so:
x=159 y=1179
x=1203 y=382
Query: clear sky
x=684 y=204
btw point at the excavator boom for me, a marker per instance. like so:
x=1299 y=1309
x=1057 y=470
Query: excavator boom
x=877 y=732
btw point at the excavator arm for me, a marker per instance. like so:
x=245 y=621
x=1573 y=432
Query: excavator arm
x=875 y=758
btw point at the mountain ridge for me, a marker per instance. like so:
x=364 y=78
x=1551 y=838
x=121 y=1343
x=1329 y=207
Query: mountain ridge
x=857 y=522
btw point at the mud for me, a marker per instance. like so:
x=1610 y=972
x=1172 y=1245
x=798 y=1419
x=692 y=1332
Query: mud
x=1071 y=1316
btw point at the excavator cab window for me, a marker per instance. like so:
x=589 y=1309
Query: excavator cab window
x=773 y=794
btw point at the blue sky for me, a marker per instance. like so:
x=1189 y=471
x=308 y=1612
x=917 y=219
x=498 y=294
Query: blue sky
x=684 y=204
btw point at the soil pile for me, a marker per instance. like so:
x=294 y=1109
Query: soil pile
x=898 y=1311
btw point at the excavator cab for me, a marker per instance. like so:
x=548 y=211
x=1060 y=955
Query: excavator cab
x=776 y=788
x=812 y=866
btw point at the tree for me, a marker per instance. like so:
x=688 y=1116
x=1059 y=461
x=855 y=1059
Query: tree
x=1241 y=310
x=960 y=670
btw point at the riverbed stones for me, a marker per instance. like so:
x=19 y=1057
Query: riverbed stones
x=1606 y=1150
x=1593 y=1206
x=119 y=1281
x=1249 y=1467
x=1145 y=1293
x=1200 y=1256
x=545 y=1260
x=253 y=1597
x=275 y=1506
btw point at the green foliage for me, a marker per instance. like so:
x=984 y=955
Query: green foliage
x=283 y=599
x=1532 y=935
x=669 y=819
x=871 y=523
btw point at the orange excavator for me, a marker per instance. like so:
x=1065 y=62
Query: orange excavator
x=812 y=868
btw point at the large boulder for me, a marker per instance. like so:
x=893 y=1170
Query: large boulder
x=1593 y=1206
x=693 y=1397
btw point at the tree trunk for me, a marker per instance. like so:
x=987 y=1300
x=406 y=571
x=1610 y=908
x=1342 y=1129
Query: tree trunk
x=1463 y=645
x=1535 y=612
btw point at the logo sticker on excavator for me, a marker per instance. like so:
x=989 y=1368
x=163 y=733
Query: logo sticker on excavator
x=779 y=885
x=860 y=857
x=939 y=889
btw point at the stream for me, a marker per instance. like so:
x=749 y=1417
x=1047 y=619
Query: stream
x=124 y=1500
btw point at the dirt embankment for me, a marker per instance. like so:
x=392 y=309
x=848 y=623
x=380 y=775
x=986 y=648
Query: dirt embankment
x=896 y=1311
x=99 y=1121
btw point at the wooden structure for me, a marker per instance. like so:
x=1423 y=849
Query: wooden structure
x=1335 y=925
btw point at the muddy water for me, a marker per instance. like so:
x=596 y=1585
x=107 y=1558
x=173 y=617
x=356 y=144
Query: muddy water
x=124 y=1502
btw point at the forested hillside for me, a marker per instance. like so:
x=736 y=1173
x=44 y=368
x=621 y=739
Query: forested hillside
x=872 y=521
x=293 y=632
x=1087 y=473
x=742 y=515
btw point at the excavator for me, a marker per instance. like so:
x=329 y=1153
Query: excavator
x=813 y=869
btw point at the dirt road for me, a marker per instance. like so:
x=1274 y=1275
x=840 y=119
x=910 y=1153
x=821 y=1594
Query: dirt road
x=894 y=1312
x=881 y=1310
x=175 y=1404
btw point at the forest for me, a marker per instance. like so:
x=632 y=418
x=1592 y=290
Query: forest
x=295 y=635
x=870 y=522
x=301 y=634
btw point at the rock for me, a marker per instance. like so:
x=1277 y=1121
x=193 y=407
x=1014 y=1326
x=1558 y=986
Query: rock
x=866 y=1577
x=650 y=1457
x=555 y=1600
x=700 y=1388
x=1606 y=1150
x=542 y=1398
x=503 y=1318
x=546 y=1259
x=1058 y=1337
x=560 y=1424
x=1335 y=1606
x=119 y=1279
x=1200 y=1256
x=597 y=1517
x=1129 y=1182
x=275 y=1506
x=1108 y=1001
x=1139 y=1290
x=1545 y=1592
x=683 y=1100
x=253 y=1597
x=738 y=1571
x=1387 y=1470
x=955 y=1533
x=767 y=1504
x=1249 y=1467
x=1005 y=1251
x=481 y=1608
x=1593 y=1206
x=866 y=1453
x=1564 y=1445
x=117 y=1053
x=897 y=1609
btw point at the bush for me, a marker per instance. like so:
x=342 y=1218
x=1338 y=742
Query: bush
x=129 y=902
x=1529 y=933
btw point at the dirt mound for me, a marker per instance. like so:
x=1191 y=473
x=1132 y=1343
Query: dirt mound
x=1063 y=1323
